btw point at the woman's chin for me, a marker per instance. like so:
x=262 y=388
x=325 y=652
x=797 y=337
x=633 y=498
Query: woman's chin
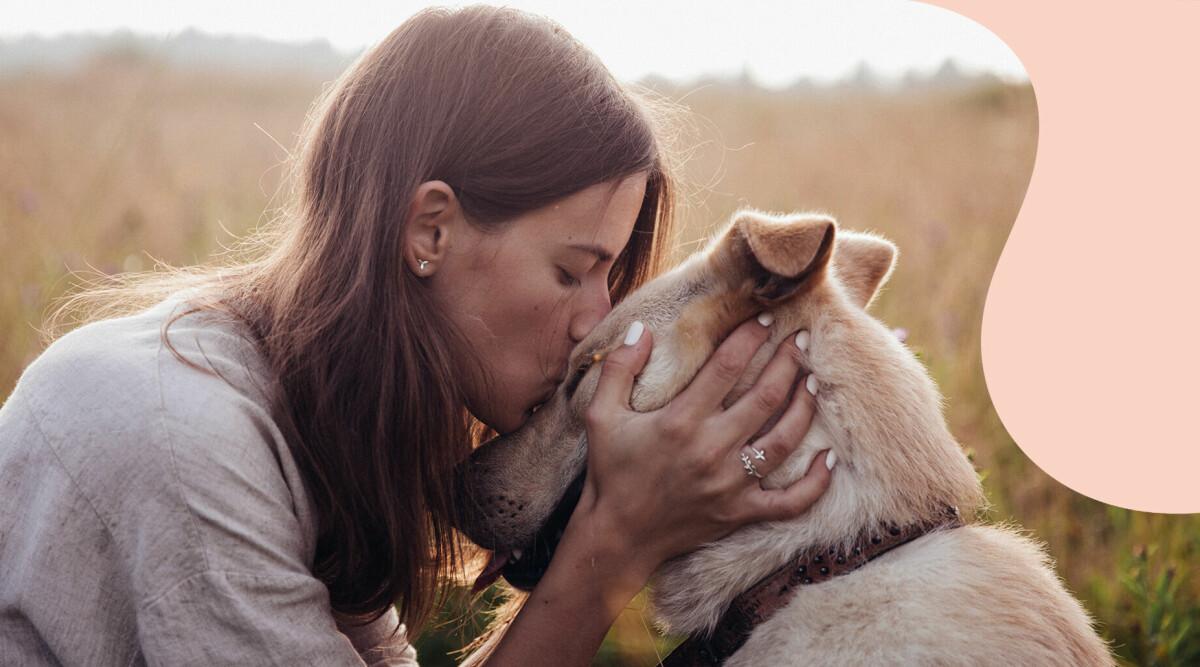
x=512 y=421
x=528 y=414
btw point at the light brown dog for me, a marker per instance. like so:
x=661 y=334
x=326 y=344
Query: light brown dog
x=956 y=594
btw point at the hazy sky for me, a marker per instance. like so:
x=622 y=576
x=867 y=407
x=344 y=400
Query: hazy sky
x=777 y=40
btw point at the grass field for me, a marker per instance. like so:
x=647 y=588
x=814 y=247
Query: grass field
x=128 y=162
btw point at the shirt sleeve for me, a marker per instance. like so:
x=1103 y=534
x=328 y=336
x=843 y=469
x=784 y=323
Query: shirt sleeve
x=382 y=642
x=235 y=618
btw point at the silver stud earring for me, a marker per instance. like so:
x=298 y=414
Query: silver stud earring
x=421 y=263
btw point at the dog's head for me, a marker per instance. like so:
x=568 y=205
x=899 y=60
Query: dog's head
x=519 y=489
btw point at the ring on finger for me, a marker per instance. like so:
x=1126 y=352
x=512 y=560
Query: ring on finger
x=748 y=462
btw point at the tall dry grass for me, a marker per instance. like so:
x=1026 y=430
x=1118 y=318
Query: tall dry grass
x=127 y=162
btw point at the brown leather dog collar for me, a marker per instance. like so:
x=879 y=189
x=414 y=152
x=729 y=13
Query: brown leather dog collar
x=763 y=599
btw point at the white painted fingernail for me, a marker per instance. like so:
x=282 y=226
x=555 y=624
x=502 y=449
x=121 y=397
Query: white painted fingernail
x=766 y=318
x=635 y=333
x=802 y=341
x=811 y=384
x=830 y=459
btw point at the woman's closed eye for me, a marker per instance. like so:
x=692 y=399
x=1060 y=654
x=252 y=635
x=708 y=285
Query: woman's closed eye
x=567 y=279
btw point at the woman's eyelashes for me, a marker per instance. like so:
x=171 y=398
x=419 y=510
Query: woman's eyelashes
x=567 y=279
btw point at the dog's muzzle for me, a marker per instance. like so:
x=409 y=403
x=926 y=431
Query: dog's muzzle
x=523 y=568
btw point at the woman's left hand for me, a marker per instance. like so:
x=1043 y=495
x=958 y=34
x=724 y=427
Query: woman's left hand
x=663 y=483
x=660 y=484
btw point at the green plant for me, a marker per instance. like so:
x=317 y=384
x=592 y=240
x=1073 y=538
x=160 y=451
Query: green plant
x=1163 y=629
x=460 y=619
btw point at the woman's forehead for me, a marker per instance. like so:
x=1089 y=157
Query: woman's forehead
x=597 y=220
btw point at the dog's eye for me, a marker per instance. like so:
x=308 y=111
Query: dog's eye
x=577 y=376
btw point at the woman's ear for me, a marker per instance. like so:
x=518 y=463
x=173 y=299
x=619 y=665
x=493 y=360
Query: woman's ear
x=433 y=215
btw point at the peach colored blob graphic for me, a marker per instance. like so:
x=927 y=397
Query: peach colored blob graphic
x=1090 y=327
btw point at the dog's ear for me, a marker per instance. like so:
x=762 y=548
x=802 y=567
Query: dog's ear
x=782 y=251
x=863 y=263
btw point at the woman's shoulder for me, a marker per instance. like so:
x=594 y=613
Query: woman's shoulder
x=117 y=394
x=96 y=355
x=127 y=369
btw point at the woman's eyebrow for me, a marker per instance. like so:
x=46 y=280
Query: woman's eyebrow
x=600 y=253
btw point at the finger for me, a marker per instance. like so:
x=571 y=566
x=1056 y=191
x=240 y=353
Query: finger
x=621 y=366
x=768 y=395
x=725 y=367
x=777 y=444
x=787 y=503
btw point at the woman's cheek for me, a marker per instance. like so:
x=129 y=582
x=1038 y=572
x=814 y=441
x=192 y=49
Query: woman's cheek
x=558 y=339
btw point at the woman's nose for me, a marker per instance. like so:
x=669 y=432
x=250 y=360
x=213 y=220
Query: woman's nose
x=591 y=312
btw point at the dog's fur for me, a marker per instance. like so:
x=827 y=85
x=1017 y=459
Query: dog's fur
x=972 y=595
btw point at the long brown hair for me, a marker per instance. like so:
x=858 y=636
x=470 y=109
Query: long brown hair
x=514 y=114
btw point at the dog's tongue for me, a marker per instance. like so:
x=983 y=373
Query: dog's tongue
x=492 y=572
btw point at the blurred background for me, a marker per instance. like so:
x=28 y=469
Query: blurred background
x=131 y=137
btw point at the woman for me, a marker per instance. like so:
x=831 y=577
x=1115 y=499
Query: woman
x=258 y=467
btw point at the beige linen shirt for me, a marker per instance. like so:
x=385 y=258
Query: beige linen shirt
x=151 y=513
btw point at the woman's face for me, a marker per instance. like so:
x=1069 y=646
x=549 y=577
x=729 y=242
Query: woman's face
x=526 y=295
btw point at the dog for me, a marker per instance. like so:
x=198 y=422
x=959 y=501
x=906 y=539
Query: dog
x=948 y=589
